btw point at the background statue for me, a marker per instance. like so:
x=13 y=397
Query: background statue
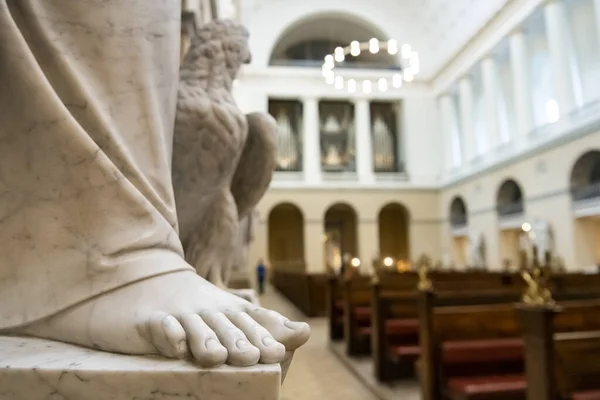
x=89 y=252
x=476 y=251
x=223 y=160
x=542 y=240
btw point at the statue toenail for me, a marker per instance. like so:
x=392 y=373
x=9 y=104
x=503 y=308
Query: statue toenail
x=243 y=344
x=212 y=344
x=293 y=325
x=268 y=341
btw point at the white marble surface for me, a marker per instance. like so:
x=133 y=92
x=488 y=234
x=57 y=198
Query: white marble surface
x=36 y=369
x=89 y=250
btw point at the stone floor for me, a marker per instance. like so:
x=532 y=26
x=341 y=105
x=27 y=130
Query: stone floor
x=316 y=373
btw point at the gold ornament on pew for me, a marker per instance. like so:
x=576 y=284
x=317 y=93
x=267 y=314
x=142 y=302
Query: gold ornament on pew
x=537 y=292
x=424 y=266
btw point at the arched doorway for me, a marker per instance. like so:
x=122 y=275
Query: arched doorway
x=394 y=221
x=585 y=177
x=286 y=238
x=341 y=235
x=585 y=194
x=459 y=221
x=511 y=210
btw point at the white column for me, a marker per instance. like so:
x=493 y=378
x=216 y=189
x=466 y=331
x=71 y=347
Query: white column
x=311 y=151
x=521 y=85
x=557 y=33
x=364 y=145
x=467 y=118
x=445 y=105
x=489 y=72
x=597 y=12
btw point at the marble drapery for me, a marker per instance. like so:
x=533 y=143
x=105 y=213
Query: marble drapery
x=93 y=157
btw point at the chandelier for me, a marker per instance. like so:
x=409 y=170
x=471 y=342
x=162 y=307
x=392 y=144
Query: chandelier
x=408 y=69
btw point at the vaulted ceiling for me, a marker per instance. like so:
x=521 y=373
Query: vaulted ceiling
x=437 y=29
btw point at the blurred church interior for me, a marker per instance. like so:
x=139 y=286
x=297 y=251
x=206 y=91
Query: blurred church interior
x=435 y=210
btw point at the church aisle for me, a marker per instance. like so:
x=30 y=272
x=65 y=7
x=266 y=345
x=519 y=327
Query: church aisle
x=315 y=372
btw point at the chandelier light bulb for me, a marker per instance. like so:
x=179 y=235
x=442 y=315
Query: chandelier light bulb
x=406 y=51
x=330 y=79
x=374 y=45
x=329 y=61
x=355 y=48
x=351 y=85
x=382 y=84
x=339 y=54
x=366 y=86
x=339 y=82
x=392 y=46
x=397 y=80
x=408 y=75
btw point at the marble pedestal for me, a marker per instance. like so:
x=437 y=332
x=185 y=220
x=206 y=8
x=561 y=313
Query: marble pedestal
x=36 y=369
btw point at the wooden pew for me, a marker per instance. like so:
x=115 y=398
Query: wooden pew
x=470 y=345
x=356 y=292
x=478 y=351
x=562 y=350
x=395 y=345
x=335 y=307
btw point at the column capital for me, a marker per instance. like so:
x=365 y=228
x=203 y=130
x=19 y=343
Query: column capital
x=305 y=99
x=465 y=77
x=516 y=31
x=360 y=99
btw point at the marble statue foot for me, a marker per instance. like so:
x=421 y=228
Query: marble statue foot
x=247 y=294
x=177 y=315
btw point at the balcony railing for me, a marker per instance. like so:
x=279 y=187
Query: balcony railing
x=587 y=192
x=510 y=209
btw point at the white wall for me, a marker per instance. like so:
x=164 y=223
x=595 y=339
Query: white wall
x=585 y=39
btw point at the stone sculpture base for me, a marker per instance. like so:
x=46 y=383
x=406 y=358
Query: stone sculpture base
x=36 y=369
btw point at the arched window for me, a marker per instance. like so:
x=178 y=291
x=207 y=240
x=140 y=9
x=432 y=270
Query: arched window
x=458 y=213
x=510 y=199
x=585 y=176
x=307 y=42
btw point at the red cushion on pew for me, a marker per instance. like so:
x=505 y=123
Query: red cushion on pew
x=363 y=331
x=362 y=313
x=492 y=350
x=401 y=326
x=589 y=395
x=405 y=351
x=475 y=385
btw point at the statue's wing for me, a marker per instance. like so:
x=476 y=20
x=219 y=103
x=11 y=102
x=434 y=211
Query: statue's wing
x=257 y=163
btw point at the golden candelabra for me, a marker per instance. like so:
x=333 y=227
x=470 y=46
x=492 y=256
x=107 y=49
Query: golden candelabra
x=424 y=266
x=537 y=292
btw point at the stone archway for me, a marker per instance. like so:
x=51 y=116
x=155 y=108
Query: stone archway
x=394 y=220
x=341 y=235
x=585 y=194
x=509 y=200
x=286 y=238
x=459 y=222
x=585 y=176
x=511 y=209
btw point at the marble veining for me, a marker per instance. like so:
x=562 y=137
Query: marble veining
x=37 y=369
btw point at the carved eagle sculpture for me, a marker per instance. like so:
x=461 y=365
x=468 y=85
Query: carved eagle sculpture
x=223 y=160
